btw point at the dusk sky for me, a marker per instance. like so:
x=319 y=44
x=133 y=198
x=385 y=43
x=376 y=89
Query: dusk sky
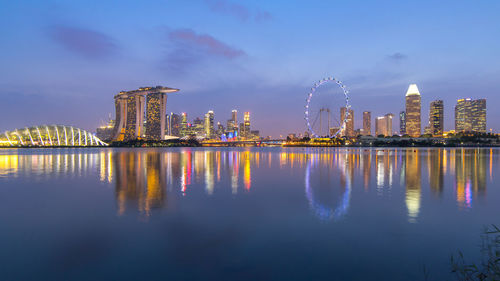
x=63 y=61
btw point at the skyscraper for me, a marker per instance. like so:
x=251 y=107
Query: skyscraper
x=175 y=124
x=209 y=124
x=349 y=126
x=246 y=125
x=463 y=121
x=402 y=123
x=413 y=111
x=478 y=111
x=367 y=123
x=130 y=113
x=220 y=129
x=383 y=125
x=436 y=117
x=234 y=118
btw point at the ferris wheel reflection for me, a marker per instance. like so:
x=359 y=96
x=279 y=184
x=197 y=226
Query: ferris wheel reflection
x=329 y=208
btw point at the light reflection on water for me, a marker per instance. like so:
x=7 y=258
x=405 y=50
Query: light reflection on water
x=144 y=176
x=264 y=213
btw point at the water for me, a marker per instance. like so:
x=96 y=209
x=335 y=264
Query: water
x=243 y=213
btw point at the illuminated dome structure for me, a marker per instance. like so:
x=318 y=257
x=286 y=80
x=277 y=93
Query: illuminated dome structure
x=50 y=135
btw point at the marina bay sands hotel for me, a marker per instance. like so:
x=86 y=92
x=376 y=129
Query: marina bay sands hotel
x=130 y=106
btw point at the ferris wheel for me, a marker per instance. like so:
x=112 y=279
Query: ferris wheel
x=345 y=104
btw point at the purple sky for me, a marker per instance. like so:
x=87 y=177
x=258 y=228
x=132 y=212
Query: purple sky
x=63 y=61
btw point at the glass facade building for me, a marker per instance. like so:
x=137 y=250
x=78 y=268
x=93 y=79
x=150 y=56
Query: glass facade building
x=367 y=123
x=479 y=115
x=349 y=124
x=383 y=125
x=402 y=123
x=413 y=112
x=470 y=115
x=436 y=118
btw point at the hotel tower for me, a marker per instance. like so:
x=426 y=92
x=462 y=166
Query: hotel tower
x=130 y=106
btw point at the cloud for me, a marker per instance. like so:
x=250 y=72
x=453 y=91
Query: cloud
x=205 y=43
x=397 y=56
x=188 y=48
x=237 y=10
x=87 y=43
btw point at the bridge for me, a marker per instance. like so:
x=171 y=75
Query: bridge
x=235 y=143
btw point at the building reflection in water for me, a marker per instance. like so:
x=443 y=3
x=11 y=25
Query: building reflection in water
x=140 y=181
x=470 y=174
x=436 y=164
x=413 y=177
x=143 y=177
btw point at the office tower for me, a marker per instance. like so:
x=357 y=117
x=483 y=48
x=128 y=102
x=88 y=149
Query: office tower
x=168 y=124
x=184 y=126
x=383 y=125
x=349 y=124
x=463 y=122
x=246 y=125
x=367 y=123
x=388 y=118
x=229 y=125
x=175 y=124
x=436 y=116
x=478 y=114
x=130 y=113
x=413 y=111
x=156 y=104
x=209 y=124
x=380 y=126
x=402 y=123
x=220 y=129
x=234 y=118
x=470 y=115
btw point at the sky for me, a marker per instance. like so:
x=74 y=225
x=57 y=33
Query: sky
x=61 y=62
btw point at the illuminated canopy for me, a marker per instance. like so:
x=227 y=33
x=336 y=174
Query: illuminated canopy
x=49 y=135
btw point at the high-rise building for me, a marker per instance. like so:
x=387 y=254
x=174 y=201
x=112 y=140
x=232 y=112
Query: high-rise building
x=175 y=124
x=383 y=125
x=380 y=126
x=220 y=129
x=402 y=123
x=130 y=106
x=349 y=124
x=413 y=111
x=436 y=116
x=234 y=118
x=367 y=123
x=478 y=111
x=209 y=124
x=246 y=125
x=470 y=115
x=184 y=126
x=463 y=122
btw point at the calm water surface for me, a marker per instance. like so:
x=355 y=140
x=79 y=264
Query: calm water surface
x=243 y=214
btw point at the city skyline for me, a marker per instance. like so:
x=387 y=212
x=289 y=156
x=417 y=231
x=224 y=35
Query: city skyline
x=229 y=60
